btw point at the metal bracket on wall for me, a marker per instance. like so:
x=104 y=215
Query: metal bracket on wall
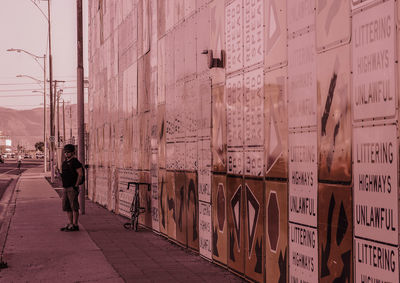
x=214 y=62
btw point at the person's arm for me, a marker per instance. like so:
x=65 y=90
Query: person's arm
x=79 y=178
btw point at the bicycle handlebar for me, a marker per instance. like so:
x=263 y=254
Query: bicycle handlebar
x=137 y=184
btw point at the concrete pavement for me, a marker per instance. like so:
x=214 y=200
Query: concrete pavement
x=102 y=251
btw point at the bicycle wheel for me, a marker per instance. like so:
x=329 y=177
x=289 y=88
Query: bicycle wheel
x=128 y=226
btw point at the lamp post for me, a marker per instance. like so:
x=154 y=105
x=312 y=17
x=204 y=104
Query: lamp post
x=35 y=57
x=51 y=89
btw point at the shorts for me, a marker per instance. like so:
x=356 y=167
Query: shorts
x=70 y=199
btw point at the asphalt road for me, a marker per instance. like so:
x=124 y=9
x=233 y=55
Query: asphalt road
x=9 y=171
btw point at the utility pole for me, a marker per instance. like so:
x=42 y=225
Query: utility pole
x=51 y=98
x=80 y=98
x=58 y=118
x=63 y=139
x=44 y=114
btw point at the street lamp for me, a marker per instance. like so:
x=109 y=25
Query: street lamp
x=36 y=57
x=51 y=83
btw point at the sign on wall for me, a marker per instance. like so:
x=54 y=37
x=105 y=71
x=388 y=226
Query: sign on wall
x=234 y=99
x=303 y=253
x=375 y=262
x=333 y=24
x=300 y=14
x=253 y=36
x=302 y=82
x=303 y=179
x=205 y=229
x=373 y=49
x=375 y=157
x=234 y=36
x=254 y=108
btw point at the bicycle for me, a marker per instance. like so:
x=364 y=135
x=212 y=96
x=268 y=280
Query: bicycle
x=135 y=208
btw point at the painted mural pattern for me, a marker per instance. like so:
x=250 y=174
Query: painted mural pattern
x=267 y=131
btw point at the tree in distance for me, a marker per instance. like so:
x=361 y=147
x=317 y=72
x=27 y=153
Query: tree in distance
x=39 y=146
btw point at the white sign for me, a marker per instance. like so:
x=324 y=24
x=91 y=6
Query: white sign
x=234 y=36
x=355 y=4
x=254 y=108
x=375 y=157
x=204 y=184
x=235 y=161
x=205 y=240
x=254 y=162
x=300 y=14
x=302 y=81
x=253 y=32
x=373 y=49
x=375 y=262
x=234 y=99
x=303 y=254
x=303 y=178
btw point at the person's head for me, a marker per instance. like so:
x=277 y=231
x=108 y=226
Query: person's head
x=69 y=150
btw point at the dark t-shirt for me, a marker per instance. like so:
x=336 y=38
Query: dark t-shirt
x=69 y=174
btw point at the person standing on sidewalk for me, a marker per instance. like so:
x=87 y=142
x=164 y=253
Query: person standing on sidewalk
x=71 y=176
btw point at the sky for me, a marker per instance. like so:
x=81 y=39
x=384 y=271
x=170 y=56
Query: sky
x=23 y=26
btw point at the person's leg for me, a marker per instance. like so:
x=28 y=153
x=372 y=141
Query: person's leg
x=66 y=206
x=73 y=197
x=75 y=217
x=70 y=217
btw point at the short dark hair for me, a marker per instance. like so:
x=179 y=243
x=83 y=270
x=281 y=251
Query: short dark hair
x=69 y=148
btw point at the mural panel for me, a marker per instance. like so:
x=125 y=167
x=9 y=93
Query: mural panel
x=276 y=235
x=236 y=225
x=161 y=135
x=145 y=201
x=219 y=219
x=192 y=204
x=171 y=206
x=163 y=203
x=334 y=129
x=276 y=124
x=335 y=233
x=180 y=208
x=254 y=228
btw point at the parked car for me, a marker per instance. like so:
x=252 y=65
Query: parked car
x=39 y=155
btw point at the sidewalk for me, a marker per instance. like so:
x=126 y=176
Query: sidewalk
x=102 y=251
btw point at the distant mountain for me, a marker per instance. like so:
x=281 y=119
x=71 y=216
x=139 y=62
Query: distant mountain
x=25 y=127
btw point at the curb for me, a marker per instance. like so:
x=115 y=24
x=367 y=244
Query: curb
x=9 y=212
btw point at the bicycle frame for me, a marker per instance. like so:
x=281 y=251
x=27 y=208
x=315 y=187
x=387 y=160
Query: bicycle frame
x=135 y=208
